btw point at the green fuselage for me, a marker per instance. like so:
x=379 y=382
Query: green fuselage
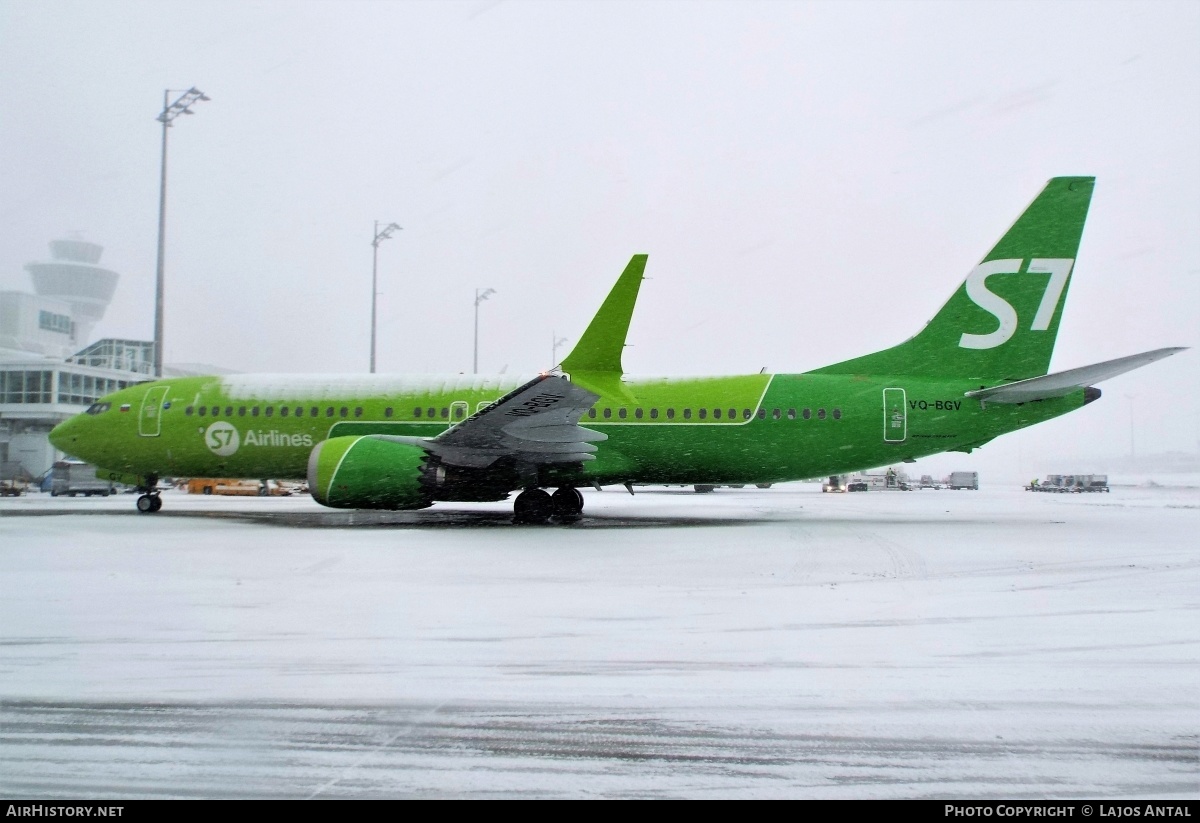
x=718 y=430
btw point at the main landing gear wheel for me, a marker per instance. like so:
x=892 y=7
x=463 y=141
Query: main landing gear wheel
x=533 y=506
x=149 y=503
x=568 y=504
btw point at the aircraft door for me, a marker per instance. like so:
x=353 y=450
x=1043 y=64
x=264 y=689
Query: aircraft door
x=895 y=420
x=459 y=411
x=150 y=416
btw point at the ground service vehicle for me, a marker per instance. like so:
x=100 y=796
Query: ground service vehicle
x=977 y=370
x=71 y=478
x=963 y=480
x=835 y=483
x=1071 y=483
x=236 y=487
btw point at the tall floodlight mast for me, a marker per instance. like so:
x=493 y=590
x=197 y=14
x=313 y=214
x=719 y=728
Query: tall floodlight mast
x=1131 y=398
x=182 y=105
x=380 y=235
x=480 y=296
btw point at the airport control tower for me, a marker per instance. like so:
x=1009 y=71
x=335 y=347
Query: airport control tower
x=74 y=277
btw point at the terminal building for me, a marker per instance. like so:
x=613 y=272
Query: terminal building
x=50 y=368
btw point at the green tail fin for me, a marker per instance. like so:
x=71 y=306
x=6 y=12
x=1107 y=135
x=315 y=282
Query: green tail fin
x=1003 y=320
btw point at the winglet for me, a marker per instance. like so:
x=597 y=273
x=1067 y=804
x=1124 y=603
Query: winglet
x=600 y=347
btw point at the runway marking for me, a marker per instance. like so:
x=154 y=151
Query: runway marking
x=407 y=730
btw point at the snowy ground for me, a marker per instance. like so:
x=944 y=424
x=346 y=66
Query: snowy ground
x=991 y=644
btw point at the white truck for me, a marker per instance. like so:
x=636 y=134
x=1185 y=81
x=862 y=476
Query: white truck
x=72 y=478
x=963 y=480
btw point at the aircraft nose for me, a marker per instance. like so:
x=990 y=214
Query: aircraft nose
x=65 y=436
x=58 y=435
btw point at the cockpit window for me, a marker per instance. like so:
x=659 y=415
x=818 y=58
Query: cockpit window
x=99 y=408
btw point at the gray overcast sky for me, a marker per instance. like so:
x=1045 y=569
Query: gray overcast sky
x=810 y=180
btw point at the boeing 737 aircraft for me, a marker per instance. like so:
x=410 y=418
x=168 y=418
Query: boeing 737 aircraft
x=978 y=369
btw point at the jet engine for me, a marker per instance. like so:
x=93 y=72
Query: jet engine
x=367 y=472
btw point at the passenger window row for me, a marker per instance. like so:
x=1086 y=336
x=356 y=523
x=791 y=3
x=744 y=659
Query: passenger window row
x=459 y=411
x=717 y=414
x=269 y=411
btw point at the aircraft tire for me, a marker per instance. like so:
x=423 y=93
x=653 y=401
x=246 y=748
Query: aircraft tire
x=145 y=504
x=155 y=502
x=703 y=489
x=762 y=485
x=568 y=504
x=533 y=506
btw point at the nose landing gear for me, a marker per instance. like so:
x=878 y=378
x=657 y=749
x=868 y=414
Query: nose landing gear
x=537 y=506
x=149 y=503
x=149 y=500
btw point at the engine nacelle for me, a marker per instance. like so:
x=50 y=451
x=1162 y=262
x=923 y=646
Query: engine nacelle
x=367 y=472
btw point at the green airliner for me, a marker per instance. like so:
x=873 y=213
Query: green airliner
x=977 y=370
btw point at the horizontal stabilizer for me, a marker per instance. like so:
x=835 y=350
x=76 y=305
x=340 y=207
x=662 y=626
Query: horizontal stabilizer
x=1064 y=382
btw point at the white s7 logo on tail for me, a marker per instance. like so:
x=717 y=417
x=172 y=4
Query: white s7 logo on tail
x=1059 y=270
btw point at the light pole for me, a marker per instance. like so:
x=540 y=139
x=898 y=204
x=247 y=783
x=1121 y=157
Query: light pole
x=170 y=111
x=480 y=296
x=555 y=342
x=380 y=235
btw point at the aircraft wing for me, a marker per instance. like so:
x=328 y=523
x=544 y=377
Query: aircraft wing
x=536 y=423
x=1064 y=382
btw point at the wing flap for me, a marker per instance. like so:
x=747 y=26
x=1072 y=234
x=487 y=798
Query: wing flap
x=536 y=423
x=538 y=447
x=551 y=433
